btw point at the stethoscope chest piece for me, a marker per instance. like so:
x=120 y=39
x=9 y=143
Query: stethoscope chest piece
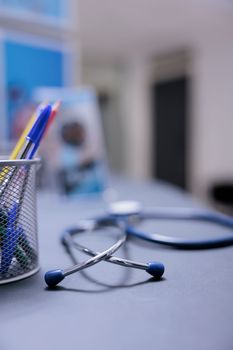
x=124 y=208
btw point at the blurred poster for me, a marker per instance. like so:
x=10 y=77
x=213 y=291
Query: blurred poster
x=75 y=145
x=52 y=8
x=28 y=65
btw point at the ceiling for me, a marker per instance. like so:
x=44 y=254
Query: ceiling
x=116 y=30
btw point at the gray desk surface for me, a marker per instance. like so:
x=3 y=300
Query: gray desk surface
x=117 y=308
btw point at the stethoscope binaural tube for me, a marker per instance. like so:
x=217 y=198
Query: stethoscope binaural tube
x=54 y=277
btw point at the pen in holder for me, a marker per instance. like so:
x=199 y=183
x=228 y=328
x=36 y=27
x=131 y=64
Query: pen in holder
x=18 y=219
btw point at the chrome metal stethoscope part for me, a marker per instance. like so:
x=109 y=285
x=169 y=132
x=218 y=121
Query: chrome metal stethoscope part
x=125 y=216
x=53 y=277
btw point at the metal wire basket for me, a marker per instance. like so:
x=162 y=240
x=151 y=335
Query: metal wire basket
x=18 y=220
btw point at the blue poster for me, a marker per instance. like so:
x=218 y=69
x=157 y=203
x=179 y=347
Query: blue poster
x=26 y=68
x=52 y=8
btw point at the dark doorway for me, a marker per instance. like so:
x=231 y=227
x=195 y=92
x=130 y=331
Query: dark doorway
x=170 y=122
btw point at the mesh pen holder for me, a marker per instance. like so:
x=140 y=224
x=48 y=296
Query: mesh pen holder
x=18 y=220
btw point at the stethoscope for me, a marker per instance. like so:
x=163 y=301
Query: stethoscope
x=124 y=216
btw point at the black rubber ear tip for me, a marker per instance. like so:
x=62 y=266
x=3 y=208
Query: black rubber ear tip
x=53 y=277
x=156 y=269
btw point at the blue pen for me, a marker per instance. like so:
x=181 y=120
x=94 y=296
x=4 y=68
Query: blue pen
x=22 y=249
x=50 y=120
x=37 y=144
x=35 y=134
x=10 y=239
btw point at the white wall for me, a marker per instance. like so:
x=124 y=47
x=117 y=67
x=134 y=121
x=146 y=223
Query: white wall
x=211 y=128
x=106 y=78
x=128 y=122
x=212 y=123
x=136 y=118
x=155 y=28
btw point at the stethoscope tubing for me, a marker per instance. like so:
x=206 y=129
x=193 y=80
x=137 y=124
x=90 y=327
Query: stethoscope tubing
x=53 y=277
x=181 y=243
x=126 y=224
x=180 y=214
x=188 y=214
x=184 y=214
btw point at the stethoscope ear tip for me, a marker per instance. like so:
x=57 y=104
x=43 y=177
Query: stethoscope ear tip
x=53 y=277
x=156 y=269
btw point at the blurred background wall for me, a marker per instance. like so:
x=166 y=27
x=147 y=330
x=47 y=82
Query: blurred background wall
x=129 y=47
x=163 y=73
